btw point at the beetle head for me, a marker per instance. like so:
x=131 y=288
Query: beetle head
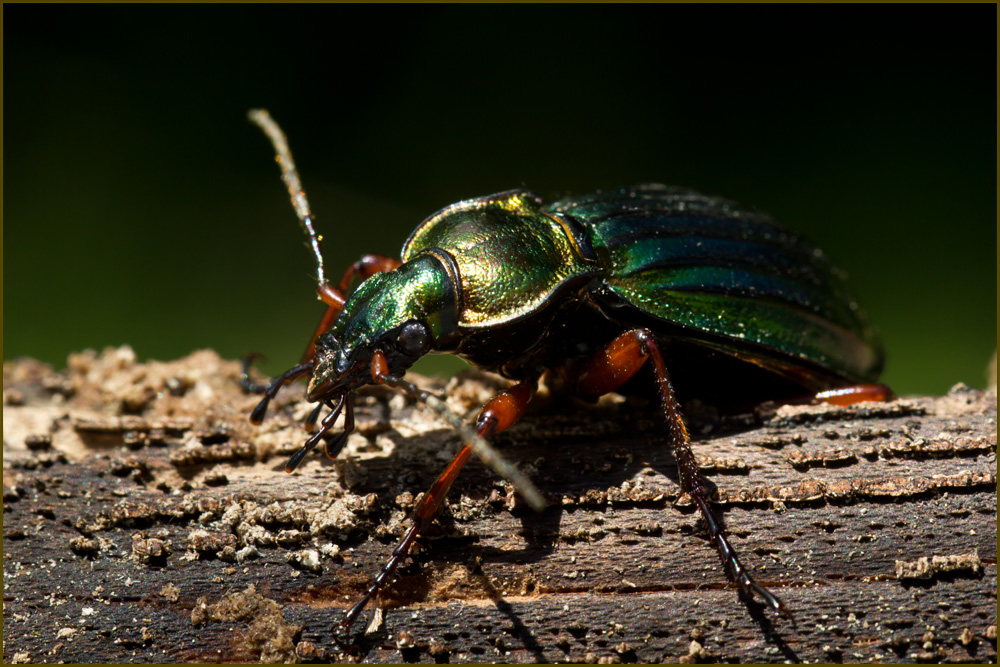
x=404 y=314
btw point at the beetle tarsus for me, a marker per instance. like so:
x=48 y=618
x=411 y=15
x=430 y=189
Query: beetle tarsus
x=385 y=574
x=734 y=568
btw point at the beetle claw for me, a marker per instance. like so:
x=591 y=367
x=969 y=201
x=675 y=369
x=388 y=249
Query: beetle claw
x=770 y=599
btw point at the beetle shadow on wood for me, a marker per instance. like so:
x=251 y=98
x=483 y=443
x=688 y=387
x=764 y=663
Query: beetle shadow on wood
x=705 y=424
x=586 y=461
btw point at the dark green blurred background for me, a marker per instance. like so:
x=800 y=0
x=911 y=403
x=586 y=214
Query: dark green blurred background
x=143 y=208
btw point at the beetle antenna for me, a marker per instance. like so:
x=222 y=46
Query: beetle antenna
x=290 y=175
x=486 y=452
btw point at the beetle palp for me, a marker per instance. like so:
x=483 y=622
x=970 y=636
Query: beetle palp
x=314 y=439
x=257 y=416
x=310 y=422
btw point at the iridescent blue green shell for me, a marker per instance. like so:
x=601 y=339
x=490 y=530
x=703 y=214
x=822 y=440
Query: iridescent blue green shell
x=728 y=278
x=521 y=287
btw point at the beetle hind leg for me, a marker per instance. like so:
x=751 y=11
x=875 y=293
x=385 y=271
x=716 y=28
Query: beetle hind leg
x=855 y=394
x=613 y=366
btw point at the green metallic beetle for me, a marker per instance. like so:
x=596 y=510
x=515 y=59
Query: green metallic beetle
x=589 y=289
x=517 y=287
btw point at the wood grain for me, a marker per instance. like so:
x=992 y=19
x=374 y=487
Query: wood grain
x=146 y=521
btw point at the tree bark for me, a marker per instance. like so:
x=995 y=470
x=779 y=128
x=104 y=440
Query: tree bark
x=145 y=520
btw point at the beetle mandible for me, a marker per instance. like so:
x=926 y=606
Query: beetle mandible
x=713 y=296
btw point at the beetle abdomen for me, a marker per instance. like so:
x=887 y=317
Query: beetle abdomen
x=728 y=277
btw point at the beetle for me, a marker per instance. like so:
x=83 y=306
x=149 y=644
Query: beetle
x=715 y=298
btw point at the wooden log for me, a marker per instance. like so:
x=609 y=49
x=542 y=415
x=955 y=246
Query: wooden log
x=145 y=520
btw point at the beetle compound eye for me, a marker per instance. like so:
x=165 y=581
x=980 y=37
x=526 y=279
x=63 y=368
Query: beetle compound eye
x=414 y=339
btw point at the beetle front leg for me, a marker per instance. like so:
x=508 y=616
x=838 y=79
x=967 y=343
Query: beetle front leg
x=365 y=268
x=612 y=367
x=498 y=414
x=336 y=297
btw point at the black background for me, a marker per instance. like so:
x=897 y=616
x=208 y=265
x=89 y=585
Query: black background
x=144 y=209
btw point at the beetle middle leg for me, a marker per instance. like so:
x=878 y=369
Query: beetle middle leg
x=608 y=370
x=495 y=416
